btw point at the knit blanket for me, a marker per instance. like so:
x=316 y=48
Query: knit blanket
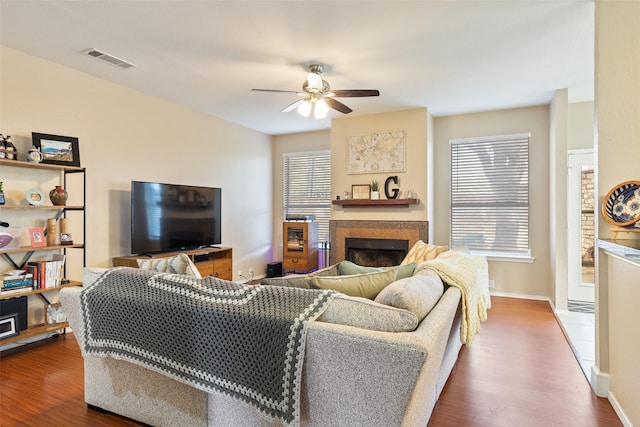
x=470 y=274
x=215 y=335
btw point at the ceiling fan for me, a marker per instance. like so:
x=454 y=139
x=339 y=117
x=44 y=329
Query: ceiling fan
x=317 y=96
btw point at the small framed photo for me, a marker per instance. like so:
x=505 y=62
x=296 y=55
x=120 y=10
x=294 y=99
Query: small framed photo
x=361 y=191
x=9 y=326
x=37 y=237
x=57 y=149
x=66 y=239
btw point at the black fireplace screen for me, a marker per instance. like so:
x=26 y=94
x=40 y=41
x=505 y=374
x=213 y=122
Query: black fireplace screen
x=375 y=252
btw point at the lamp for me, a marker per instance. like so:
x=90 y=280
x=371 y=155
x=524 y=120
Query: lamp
x=314 y=81
x=321 y=109
x=305 y=108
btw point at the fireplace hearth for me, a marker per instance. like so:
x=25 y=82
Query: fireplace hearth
x=376 y=252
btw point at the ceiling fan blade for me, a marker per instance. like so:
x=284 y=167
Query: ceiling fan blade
x=337 y=105
x=292 y=106
x=276 y=90
x=353 y=93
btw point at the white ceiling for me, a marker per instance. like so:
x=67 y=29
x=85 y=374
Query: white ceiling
x=449 y=56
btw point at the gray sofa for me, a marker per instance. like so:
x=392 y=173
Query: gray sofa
x=357 y=370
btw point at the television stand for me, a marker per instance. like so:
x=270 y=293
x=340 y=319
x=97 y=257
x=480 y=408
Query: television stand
x=210 y=261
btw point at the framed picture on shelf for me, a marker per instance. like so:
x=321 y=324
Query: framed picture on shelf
x=9 y=326
x=361 y=191
x=57 y=149
x=37 y=237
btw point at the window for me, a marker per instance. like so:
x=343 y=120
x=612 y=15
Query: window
x=490 y=195
x=307 y=187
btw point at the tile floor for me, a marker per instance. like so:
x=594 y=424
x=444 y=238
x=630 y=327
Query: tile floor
x=580 y=328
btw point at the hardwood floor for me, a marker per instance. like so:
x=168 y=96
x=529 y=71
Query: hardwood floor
x=520 y=371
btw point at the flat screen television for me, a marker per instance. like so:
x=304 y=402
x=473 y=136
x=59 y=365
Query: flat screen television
x=169 y=217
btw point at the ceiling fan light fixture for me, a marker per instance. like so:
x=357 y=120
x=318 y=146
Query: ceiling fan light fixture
x=305 y=108
x=321 y=109
x=314 y=81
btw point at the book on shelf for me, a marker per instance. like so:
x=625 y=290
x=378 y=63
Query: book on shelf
x=47 y=273
x=16 y=290
x=14 y=284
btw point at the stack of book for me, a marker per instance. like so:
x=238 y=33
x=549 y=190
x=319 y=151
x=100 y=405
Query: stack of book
x=16 y=283
x=37 y=275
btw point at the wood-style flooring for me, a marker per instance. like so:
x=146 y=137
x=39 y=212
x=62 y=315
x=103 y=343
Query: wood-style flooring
x=519 y=372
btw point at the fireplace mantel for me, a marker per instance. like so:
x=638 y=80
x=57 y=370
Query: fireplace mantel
x=382 y=203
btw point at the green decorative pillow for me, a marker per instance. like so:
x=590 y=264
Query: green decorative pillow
x=366 y=285
x=417 y=294
x=179 y=264
x=349 y=268
x=405 y=270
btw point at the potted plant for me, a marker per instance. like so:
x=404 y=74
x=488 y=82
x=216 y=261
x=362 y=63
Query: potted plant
x=375 y=193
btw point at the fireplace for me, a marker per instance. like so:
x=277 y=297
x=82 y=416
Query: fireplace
x=376 y=252
x=341 y=230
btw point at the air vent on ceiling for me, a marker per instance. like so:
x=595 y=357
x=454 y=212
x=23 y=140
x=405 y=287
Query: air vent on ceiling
x=103 y=56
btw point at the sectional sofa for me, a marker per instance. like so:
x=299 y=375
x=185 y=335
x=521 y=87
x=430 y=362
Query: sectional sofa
x=381 y=361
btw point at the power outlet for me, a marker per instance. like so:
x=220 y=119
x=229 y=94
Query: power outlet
x=251 y=271
x=492 y=284
x=239 y=274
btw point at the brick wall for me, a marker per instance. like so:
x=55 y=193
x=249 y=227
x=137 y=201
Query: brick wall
x=588 y=225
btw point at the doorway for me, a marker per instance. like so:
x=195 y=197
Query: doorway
x=579 y=321
x=581 y=231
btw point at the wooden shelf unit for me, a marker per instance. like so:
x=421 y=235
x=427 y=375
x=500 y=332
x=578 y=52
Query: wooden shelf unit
x=10 y=295
x=9 y=254
x=382 y=203
x=216 y=262
x=300 y=246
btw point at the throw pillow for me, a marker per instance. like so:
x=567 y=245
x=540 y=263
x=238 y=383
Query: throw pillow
x=349 y=268
x=422 y=251
x=417 y=294
x=179 y=264
x=366 y=314
x=366 y=285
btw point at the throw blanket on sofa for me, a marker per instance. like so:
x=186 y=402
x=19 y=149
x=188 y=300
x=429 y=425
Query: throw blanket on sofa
x=246 y=341
x=469 y=273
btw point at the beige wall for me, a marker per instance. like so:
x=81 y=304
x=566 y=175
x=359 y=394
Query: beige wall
x=414 y=122
x=558 y=212
x=531 y=279
x=580 y=125
x=291 y=143
x=126 y=135
x=617 y=146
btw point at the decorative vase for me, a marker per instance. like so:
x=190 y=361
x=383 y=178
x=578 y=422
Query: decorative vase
x=58 y=196
x=375 y=195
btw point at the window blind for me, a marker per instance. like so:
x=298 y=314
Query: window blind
x=490 y=194
x=307 y=187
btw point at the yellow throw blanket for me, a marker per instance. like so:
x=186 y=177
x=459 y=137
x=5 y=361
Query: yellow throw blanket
x=470 y=274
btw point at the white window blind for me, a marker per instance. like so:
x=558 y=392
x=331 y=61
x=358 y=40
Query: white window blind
x=490 y=195
x=307 y=187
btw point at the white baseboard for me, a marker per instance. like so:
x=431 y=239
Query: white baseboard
x=520 y=296
x=600 y=382
x=626 y=422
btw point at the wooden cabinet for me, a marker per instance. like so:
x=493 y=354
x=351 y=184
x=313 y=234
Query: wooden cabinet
x=216 y=262
x=18 y=177
x=300 y=246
